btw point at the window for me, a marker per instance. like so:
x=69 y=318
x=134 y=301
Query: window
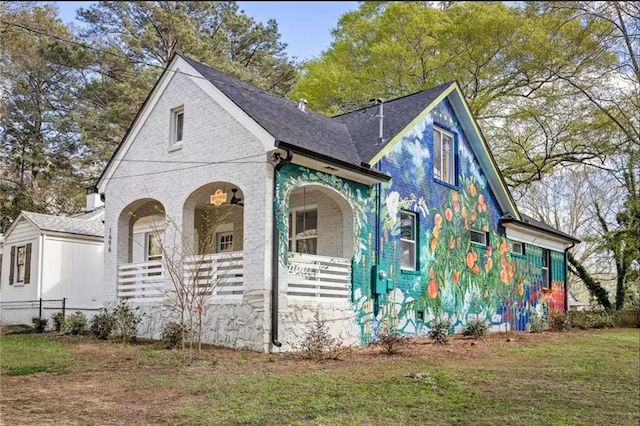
x=408 y=240
x=303 y=231
x=20 y=263
x=154 y=246
x=479 y=237
x=517 y=247
x=224 y=241
x=177 y=125
x=546 y=262
x=444 y=156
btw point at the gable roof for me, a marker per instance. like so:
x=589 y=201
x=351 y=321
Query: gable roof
x=348 y=140
x=68 y=225
x=363 y=124
x=283 y=119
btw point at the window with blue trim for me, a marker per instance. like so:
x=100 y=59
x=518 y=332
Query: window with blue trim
x=444 y=156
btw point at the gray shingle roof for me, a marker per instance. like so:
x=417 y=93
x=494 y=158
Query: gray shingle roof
x=363 y=125
x=282 y=118
x=349 y=137
x=69 y=225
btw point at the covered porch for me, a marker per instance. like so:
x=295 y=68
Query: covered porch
x=320 y=244
x=202 y=254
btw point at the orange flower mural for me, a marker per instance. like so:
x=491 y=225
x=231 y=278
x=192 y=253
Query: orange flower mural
x=488 y=265
x=470 y=260
x=456 y=276
x=448 y=214
x=432 y=289
x=473 y=190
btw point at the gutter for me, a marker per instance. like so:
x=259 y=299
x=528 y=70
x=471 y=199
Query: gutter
x=368 y=171
x=508 y=219
x=274 y=252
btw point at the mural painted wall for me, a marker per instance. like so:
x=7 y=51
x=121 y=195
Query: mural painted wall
x=454 y=278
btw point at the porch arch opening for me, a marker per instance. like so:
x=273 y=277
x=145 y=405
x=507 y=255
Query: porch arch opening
x=141 y=225
x=320 y=222
x=213 y=219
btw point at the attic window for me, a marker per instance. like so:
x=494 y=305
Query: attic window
x=177 y=125
x=333 y=169
x=444 y=156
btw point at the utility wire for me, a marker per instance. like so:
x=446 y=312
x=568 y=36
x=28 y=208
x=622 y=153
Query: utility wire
x=95 y=49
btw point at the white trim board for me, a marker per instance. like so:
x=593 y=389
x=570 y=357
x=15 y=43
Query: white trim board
x=529 y=236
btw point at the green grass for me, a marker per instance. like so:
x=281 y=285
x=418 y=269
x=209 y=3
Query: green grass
x=580 y=381
x=28 y=354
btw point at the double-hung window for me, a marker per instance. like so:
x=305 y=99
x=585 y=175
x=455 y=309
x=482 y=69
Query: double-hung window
x=479 y=237
x=154 y=245
x=546 y=270
x=408 y=241
x=303 y=231
x=444 y=156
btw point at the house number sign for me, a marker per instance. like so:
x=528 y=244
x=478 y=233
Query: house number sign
x=218 y=198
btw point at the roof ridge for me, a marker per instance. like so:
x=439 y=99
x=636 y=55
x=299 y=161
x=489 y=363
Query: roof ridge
x=447 y=83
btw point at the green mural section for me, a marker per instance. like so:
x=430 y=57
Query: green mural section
x=454 y=278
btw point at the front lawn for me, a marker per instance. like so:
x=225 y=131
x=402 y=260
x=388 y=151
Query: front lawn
x=575 y=378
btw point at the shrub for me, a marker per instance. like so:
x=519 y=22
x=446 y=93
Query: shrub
x=58 y=321
x=75 y=324
x=318 y=343
x=39 y=324
x=172 y=335
x=475 y=328
x=390 y=341
x=125 y=322
x=590 y=319
x=439 y=332
x=559 y=321
x=102 y=324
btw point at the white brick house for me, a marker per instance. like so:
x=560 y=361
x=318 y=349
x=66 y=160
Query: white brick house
x=188 y=142
x=220 y=182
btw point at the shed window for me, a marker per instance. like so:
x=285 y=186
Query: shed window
x=20 y=263
x=408 y=240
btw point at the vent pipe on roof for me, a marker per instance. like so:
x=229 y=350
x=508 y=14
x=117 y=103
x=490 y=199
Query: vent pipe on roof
x=302 y=105
x=380 y=117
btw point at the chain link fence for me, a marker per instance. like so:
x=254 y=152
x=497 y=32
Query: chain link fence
x=22 y=312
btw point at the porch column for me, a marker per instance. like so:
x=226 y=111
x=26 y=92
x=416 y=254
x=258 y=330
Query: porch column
x=189 y=235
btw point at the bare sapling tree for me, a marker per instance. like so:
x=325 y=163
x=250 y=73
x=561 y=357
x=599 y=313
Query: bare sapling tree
x=192 y=267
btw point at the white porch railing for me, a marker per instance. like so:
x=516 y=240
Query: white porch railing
x=218 y=275
x=319 y=278
x=141 y=282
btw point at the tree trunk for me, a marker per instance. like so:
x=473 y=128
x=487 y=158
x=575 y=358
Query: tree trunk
x=594 y=287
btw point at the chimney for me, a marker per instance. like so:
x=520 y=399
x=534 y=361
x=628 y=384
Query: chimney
x=94 y=200
x=302 y=105
x=380 y=116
